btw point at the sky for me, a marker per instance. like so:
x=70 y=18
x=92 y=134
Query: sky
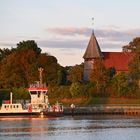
x=62 y=28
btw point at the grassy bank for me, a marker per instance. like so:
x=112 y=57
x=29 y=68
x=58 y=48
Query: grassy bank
x=111 y=100
x=96 y=101
x=79 y=101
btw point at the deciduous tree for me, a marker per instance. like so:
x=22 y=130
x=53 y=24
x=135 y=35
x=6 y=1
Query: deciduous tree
x=76 y=73
x=134 y=65
x=99 y=76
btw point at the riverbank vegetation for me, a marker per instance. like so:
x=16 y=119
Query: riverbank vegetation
x=19 y=68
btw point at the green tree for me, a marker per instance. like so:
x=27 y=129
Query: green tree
x=29 y=44
x=20 y=93
x=20 y=67
x=51 y=68
x=133 y=46
x=99 y=76
x=4 y=95
x=62 y=76
x=4 y=52
x=10 y=72
x=76 y=73
x=121 y=84
x=111 y=72
x=134 y=65
x=75 y=89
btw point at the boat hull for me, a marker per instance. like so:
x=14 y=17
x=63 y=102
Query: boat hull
x=53 y=114
x=31 y=114
x=20 y=114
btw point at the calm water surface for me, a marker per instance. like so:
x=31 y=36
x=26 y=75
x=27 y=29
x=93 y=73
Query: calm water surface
x=71 y=128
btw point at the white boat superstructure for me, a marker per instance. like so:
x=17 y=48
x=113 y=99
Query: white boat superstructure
x=8 y=108
x=17 y=108
x=12 y=108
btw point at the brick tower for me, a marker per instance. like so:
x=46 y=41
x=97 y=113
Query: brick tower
x=92 y=53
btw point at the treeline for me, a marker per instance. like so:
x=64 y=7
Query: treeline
x=105 y=82
x=19 y=68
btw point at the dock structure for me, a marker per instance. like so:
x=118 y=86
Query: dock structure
x=104 y=109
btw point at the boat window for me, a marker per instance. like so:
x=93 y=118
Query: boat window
x=10 y=106
x=39 y=94
x=5 y=106
x=17 y=106
x=13 y=106
x=33 y=92
x=44 y=92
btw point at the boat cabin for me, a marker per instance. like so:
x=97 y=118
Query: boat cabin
x=12 y=108
x=38 y=93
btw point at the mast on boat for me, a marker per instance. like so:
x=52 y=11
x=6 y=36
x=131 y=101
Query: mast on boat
x=11 y=97
x=40 y=76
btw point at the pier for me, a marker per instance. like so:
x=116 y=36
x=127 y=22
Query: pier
x=104 y=109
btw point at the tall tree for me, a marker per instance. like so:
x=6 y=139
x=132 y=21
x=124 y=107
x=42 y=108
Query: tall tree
x=75 y=89
x=62 y=76
x=5 y=52
x=121 y=84
x=20 y=67
x=50 y=66
x=29 y=44
x=134 y=65
x=99 y=76
x=133 y=46
x=76 y=73
x=111 y=72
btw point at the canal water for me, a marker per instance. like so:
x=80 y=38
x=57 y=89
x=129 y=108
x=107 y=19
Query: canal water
x=71 y=128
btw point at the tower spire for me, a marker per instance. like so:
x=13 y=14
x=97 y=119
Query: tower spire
x=92 y=53
x=93 y=49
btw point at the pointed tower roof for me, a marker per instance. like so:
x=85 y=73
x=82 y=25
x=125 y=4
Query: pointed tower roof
x=93 y=49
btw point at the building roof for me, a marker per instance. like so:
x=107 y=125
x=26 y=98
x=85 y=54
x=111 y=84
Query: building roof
x=93 y=49
x=118 y=60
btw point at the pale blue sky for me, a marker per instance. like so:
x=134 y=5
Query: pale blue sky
x=63 y=27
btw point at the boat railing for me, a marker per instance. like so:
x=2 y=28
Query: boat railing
x=5 y=101
x=37 y=84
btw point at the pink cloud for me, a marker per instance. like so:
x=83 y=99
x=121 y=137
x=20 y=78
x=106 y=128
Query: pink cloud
x=70 y=31
x=114 y=33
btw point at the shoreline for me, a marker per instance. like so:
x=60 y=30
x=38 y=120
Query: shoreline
x=104 y=109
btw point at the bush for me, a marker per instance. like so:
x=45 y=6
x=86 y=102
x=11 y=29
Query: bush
x=58 y=92
x=20 y=94
x=4 y=94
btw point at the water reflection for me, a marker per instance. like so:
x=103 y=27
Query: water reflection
x=85 y=127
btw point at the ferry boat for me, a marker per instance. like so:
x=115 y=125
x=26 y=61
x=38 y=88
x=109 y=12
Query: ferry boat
x=39 y=105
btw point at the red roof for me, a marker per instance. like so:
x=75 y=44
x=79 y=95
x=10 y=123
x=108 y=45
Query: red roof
x=118 y=60
x=37 y=89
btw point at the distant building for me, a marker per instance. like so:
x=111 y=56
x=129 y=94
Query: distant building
x=117 y=60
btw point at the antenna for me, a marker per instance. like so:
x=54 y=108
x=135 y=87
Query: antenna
x=93 y=25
